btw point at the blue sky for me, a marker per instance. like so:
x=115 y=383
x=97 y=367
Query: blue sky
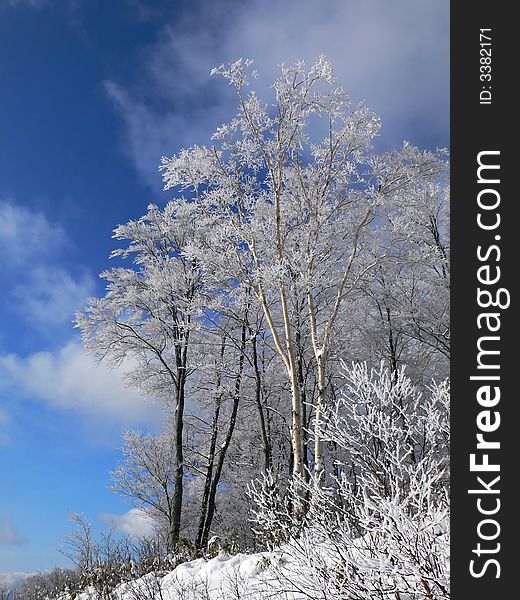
x=92 y=93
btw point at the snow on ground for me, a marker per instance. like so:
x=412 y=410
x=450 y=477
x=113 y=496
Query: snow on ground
x=237 y=577
x=222 y=577
x=280 y=574
x=261 y=576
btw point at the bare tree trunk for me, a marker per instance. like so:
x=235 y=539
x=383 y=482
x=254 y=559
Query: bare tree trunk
x=179 y=462
x=181 y=358
x=296 y=402
x=427 y=589
x=297 y=420
x=211 y=456
x=318 y=437
x=301 y=383
x=288 y=357
x=319 y=355
x=266 y=443
x=202 y=542
x=299 y=472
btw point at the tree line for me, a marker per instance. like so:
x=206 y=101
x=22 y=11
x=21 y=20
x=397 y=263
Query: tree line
x=289 y=308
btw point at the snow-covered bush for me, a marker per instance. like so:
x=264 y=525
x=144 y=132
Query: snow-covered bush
x=273 y=501
x=63 y=583
x=378 y=527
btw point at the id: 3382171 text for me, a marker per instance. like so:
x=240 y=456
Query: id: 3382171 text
x=485 y=66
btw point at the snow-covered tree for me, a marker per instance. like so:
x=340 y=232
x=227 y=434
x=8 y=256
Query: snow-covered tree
x=146 y=477
x=292 y=245
x=149 y=313
x=297 y=199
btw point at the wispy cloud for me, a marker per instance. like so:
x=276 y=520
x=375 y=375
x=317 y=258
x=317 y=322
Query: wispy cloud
x=5 y=438
x=26 y=235
x=68 y=379
x=135 y=523
x=9 y=534
x=49 y=295
x=39 y=288
x=395 y=55
x=44 y=293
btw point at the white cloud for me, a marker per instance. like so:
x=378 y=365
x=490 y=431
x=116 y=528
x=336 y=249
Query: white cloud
x=9 y=534
x=50 y=295
x=149 y=135
x=41 y=290
x=45 y=294
x=135 y=523
x=26 y=236
x=69 y=379
x=395 y=55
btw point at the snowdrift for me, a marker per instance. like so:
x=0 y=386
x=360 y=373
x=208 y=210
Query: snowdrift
x=260 y=576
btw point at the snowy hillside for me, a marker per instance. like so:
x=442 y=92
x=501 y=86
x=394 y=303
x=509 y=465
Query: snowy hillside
x=259 y=576
x=223 y=577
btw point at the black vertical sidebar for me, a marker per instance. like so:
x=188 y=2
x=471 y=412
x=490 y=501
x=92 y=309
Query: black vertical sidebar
x=484 y=123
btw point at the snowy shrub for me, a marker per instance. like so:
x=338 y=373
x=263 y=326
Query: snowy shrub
x=274 y=521
x=379 y=527
x=63 y=583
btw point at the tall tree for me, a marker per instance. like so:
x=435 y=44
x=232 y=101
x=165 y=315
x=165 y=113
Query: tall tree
x=148 y=316
x=295 y=220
